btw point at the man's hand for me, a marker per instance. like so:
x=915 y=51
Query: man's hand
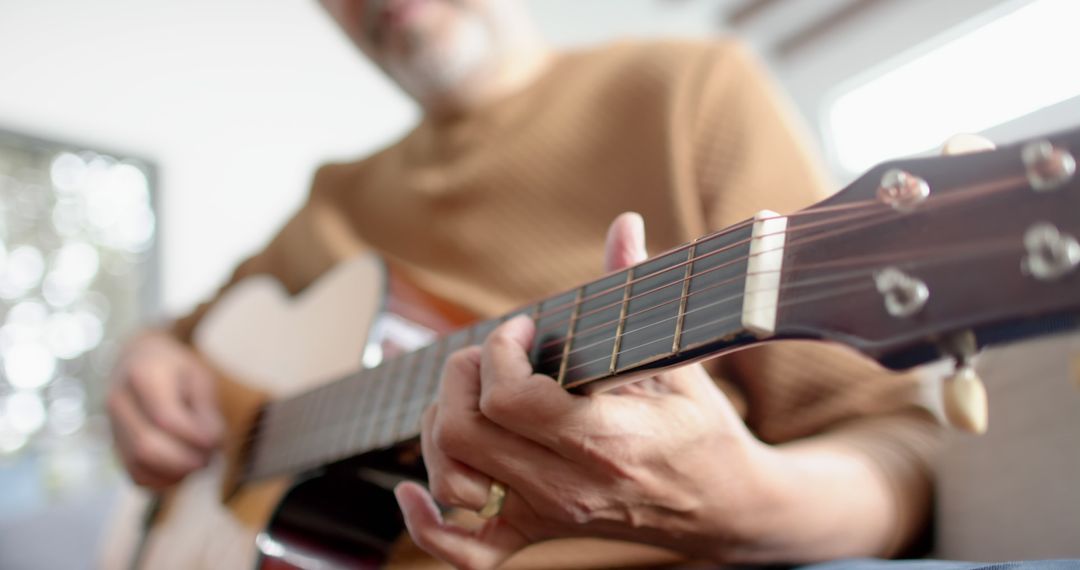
x=163 y=410
x=666 y=460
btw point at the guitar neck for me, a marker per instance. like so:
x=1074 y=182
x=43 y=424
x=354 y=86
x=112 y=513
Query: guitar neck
x=664 y=311
x=912 y=253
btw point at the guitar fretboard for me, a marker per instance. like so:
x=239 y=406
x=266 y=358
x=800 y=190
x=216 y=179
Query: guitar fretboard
x=654 y=312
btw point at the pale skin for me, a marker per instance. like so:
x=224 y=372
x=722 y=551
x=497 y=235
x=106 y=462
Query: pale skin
x=666 y=461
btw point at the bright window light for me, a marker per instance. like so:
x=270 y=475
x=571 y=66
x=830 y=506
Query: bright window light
x=1014 y=65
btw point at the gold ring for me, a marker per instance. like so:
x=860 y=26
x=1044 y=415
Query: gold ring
x=495 y=499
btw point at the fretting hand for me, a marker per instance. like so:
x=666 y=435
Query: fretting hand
x=640 y=463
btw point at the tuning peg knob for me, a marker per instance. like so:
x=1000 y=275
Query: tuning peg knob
x=965 y=400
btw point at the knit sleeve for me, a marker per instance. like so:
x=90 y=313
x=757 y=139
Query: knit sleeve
x=315 y=239
x=751 y=154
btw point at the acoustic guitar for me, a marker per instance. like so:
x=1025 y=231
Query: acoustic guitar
x=917 y=260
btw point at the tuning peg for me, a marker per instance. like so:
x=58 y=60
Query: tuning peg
x=965 y=400
x=963 y=391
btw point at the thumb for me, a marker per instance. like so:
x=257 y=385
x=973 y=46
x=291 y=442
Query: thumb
x=625 y=243
x=482 y=549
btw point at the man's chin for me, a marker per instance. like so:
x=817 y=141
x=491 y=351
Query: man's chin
x=430 y=73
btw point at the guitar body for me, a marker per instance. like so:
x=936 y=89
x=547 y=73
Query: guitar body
x=257 y=334
x=341 y=516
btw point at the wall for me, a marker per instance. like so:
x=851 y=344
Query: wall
x=238 y=100
x=235 y=100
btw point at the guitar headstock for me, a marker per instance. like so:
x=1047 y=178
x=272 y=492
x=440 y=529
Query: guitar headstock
x=917 y=252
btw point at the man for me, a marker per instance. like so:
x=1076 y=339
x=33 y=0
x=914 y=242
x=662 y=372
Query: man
x=499 y=197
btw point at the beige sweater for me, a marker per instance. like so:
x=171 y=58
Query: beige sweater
x=499 y=207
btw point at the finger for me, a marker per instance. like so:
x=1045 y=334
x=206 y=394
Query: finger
x=485 y=548
x=625 y=244
x=145 y=445
x=467 y=449
x=147 y=477
x=511 y=396
x=452 y=483
x=158 y=394
x=200 y=396
x=965 y=144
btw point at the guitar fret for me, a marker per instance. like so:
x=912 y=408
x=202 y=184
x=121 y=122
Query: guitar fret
x=657 y=309
x=552 y=318
x=342 y=418
x=484 y=329
x=447 y=346
x=407 y=393
x=570 y=336
x=377 y=390
x=431 y=383
x=675 y=343
x=622 y=323
x=429 y=370
x=302 y=439
x=716 y=287
x=394 y=400
x=347 y=398
x=597 y=320
x=358 y=398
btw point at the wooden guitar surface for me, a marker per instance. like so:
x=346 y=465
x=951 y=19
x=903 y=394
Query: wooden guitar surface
x=257 y=333
x=280 y=346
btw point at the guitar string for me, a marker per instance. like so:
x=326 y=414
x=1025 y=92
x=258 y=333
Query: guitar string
x=802 y=268
x=562 y=324
x=601 y=325
x=965 y=252
x=729 y=263
x=968 y=192
x=857 y=273
x=981 y=188
x=355 y=378
x=845 y=261
x=1002 y=246
x=412 y=407
x=953 y=197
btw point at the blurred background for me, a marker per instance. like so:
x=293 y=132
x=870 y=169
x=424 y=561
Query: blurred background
x=146 y=145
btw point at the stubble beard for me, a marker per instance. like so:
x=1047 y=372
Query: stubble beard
x=430 y=69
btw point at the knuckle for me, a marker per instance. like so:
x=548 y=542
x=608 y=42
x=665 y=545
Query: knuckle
x=167 y=419
x=141 y=379
x=144 y=449
x=460 y=363
x=501 y=338
x=443 y=491
x=499 y=405
x=448 y=437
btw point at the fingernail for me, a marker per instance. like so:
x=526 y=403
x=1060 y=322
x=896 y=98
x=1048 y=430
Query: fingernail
x=639 y=232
